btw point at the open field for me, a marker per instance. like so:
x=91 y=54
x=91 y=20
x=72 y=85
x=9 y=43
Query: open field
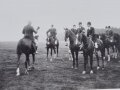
x=55 y=75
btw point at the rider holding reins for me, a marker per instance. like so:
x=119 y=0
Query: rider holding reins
x=90 y=31
x=52 y=33
x=28 y=32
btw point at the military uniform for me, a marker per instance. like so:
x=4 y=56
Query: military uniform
x=80 y=29
x=91 y=33
x=28 y=32
x=52 y=32
x=74 y=31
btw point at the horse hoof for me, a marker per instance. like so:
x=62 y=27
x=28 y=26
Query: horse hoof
x=84 y=72
x=91 y=72
x=98 y=68
x=18 y=74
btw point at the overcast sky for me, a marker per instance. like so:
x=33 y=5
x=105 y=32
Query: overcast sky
x=14 y=14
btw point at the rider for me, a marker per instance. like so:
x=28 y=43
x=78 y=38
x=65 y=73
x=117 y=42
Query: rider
x=81 y=28
x=90 y=31
x=52 y=33
x=74 y=30
x=109 y=32
x=28 y=32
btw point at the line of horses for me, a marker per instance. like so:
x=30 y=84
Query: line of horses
x=76 y=43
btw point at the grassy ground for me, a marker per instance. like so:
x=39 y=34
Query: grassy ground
x=55 y=75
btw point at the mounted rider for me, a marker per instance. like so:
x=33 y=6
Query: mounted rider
x=109 y=32
x=74 y=30
x=80 y=28
x=90 y=31
x=52 y=33
x=28 y=32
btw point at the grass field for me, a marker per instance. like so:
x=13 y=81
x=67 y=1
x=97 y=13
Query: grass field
x=55 y=75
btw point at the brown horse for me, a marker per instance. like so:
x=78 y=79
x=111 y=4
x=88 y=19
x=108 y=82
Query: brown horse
x=52 y=44
x=27 y=47
x=88 y=49
x=74 y=46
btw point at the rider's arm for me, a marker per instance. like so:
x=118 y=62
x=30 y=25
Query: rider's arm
x=35 y=31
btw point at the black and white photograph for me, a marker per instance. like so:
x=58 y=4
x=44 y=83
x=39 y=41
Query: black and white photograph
x=59 y=44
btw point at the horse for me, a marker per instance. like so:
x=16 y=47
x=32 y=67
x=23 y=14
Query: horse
x=88 y=50
x=73 y=45
x=25 y=46
x=117 y=44
x=109 y=42
x=99 y=47
x=52 y=44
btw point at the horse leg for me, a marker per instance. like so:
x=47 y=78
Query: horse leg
x=33 y=56
x=18 y=63
x=57 y=50
x=51 y=55
x=102 y=60
x=108 y=54
x=91 y=62
x=54 y=52
x=96 y=53
x=27 y=63
x=115 y=51
x=76 y=59
x=72 y=52
x=85 y=62
x=70 y=56
x=47 y=52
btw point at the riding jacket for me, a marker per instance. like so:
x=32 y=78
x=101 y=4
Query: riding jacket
x=74 y=31
x=28 y=31
x=109 y=33
x=80 y=29
x=52 y=32
x=91 y=33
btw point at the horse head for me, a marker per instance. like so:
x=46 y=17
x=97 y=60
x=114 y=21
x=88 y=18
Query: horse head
x=66 y=33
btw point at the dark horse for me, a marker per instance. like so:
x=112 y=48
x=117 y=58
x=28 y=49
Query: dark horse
x=109 y=42
x=53 y=45
x=74 y=46
x=99 y=47
x=88 y=49
x=25 y=46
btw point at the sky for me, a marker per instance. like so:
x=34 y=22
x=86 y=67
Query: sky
x=15 y=14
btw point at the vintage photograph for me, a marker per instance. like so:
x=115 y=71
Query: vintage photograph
x=59 y=44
